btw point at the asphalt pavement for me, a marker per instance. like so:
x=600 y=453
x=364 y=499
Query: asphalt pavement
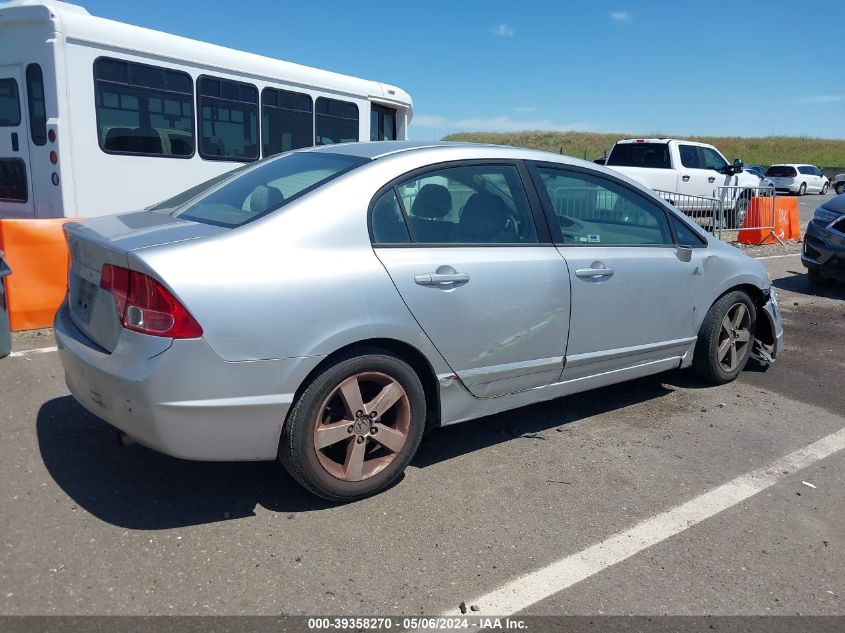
x=92 y=527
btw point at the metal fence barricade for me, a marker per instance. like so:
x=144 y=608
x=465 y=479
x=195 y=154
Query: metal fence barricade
x=703 y=210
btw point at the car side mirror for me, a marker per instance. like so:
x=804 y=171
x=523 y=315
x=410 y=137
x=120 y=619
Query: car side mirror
x=737 y=165
x=684 y=253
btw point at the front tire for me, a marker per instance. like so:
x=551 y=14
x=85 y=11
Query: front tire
x=355 y=427
x=725 y=338
x=840 y=188
x=824 y=189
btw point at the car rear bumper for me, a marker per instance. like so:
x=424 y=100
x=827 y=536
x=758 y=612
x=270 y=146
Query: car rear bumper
x=823 y=250
x=184 y=401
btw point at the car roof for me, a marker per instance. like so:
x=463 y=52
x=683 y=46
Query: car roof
x=791 y=165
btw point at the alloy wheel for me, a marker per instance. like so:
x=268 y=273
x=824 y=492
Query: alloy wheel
x=362 y=426
x=734 y=337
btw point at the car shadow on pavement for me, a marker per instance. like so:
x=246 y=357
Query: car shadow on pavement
x=799 y=283
x=534 y=421
x=138 y=488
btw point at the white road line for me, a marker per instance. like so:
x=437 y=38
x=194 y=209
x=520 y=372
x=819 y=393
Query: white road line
x=533 y=587
x=30 y=352
x=779 y=256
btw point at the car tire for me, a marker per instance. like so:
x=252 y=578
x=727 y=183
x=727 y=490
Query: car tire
x=355 y=461
x=724 y=344
x=802 y=189
x=824 y=189
x=815 y=278
x=840 y=188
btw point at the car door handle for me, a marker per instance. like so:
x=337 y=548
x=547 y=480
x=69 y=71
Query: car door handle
x=711 y=179
x=685 y=178
x=592 y=273
x=437 y=279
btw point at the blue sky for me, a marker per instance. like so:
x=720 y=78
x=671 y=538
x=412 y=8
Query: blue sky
x=748 y=68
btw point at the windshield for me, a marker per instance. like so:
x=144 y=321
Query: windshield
x=257 y=191
x=781 y=171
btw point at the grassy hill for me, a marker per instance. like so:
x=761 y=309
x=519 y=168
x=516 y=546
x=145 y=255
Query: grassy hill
x=763 y=150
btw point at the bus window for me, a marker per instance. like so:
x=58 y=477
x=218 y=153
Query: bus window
x=287 y=121
x=382 y=123
x=37 y=104
x=143 y=110
x=10 y=107
x=229 y=119
x=336 y=121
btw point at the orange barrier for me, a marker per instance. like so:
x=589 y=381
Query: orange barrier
x=779 y=212
x=37 y=254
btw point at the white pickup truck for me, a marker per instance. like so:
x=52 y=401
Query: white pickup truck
x=684 y=167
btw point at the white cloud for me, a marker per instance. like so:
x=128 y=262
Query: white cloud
x=622 y=17
x=822 y=99
x=502 y=123
x=503 y=30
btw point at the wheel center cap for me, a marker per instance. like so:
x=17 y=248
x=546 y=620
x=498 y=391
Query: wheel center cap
x=361 y=426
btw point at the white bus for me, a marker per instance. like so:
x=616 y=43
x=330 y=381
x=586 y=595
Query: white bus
x=99 y=117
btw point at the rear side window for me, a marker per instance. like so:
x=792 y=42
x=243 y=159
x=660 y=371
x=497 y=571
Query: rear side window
x=265 y=188
x=228 y=119
x=781 y=171
x=806 y=169
x=387 y=226
x=336 y=121
x=13 y=180
x=10 y=105
x=472 y=204
x=592 y=211
x=654 y=155
x=143 y=110
x=37 y=104
x=690 y=157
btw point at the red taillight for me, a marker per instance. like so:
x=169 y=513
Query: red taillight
x=146 y=306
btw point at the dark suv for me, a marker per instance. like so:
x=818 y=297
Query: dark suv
x=824 y=242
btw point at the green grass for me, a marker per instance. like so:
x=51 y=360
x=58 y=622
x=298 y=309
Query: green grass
x=763 y=150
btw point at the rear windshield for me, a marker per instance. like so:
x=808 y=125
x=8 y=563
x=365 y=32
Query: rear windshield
x=655 y=155
x=259 y=189
x=781 y=170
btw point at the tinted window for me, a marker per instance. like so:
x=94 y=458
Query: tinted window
x=806 y=169
x=335 y=121
x=265 y=188
x=654 y=155
x=36 y=103
x=387 y=226
x=478 y=204
x=684 y=235
x=781 y=171
x=228 y=119
x=689 y=156
x=382 y=123
x=144 y=110
x=712 y=159
x=13 y=180
x=10 y=105
x=590 y=210
x=287 y=121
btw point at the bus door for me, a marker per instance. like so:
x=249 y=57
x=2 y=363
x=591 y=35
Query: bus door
x=15 y=188
x=382 y=123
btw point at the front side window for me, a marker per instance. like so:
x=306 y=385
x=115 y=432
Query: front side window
x=713 y=160
x=807 y=170
x=653 y=155
x=287 y=121
x=335 y=121
x=229 y=119
x=685 y=235
x=259 y=190
x=473 y=204
x=37 y=104
x=689 y=156
x=10 y=105
x=143 y=110
x=592 y=211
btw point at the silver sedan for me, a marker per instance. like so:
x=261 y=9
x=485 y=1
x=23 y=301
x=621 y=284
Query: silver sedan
x=327 y=306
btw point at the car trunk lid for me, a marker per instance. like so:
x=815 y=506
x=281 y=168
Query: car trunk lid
x=110 y=240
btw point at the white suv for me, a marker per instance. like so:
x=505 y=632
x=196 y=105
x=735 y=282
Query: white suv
x=795 y=178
